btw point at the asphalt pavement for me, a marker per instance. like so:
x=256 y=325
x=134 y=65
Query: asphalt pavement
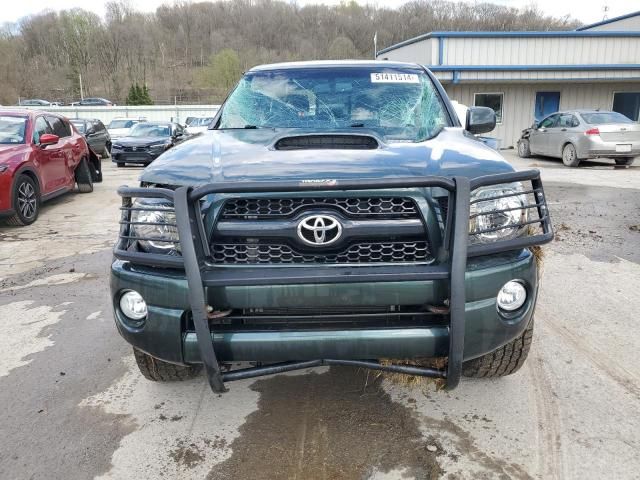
x=75 y=407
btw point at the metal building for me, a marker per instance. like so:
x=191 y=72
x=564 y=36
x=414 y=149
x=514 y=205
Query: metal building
x=527 y=75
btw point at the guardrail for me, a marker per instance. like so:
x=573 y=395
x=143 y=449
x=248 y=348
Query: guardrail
x=174 y=113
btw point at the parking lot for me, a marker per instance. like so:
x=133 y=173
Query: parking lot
x=76 y=407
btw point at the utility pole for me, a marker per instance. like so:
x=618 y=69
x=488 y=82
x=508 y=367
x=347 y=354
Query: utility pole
x=81 y=92
x=375 y=45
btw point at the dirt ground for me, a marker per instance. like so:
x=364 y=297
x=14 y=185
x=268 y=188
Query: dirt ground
x=75 y=406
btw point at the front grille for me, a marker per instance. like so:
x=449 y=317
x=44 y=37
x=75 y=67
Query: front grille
x=135 y=149
x=267 y=208
x=388 y=252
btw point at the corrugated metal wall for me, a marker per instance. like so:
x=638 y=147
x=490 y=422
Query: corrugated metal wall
x=631 y=23
x=540 y=50
x=519 y=100
x=424 y=52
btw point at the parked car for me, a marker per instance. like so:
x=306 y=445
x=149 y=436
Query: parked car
x=331 y=222
x=34 y=102
x=93 y=102
x=198 y=125
x=146 y=142
x=188 y=121
x=120 y=127
x=577 y=135
x=95 y=133
x=41 y=157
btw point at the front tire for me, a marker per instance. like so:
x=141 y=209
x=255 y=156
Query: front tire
x=524 y=150
x=159 y=371
x=625 y=160
x=106 y=152
x=26 y=202
x=506 y=360
x=570 y=156
x=83 y=177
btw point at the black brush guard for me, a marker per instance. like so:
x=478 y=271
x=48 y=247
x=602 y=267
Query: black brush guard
x=195 y=249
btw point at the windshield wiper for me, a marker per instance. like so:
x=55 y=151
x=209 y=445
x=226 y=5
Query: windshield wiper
x=250 y=126
x=357 y=125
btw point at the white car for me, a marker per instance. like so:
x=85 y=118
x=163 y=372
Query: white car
x=198 y=125
x=120 y=127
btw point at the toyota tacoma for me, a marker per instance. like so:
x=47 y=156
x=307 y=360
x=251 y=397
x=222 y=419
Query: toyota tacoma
x=335 y=213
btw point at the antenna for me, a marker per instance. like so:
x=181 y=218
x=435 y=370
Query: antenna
x=605 y=9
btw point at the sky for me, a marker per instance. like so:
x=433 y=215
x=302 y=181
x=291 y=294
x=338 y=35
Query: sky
x=587 y=11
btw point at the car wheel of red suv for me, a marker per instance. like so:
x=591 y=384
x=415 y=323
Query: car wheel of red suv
x=26 y=201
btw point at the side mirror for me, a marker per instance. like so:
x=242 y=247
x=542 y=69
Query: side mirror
x=534 y=125
x=90 y=132
x=480 y=120
x=48 y=139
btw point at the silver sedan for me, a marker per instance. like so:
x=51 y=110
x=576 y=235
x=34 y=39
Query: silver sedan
x=580 y=134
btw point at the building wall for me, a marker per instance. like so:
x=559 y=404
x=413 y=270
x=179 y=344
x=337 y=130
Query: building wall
x=540 y=50
x=424 y=52
x=519 y=100
x=625 y=24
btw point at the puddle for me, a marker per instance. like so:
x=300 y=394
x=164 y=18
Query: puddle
x=338 y=424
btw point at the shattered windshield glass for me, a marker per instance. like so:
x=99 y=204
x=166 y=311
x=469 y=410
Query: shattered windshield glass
x=399 y=104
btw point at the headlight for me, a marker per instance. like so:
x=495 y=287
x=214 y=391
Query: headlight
x=497 y=213
x=158 y=148
x=115 y=146
x=154 y=220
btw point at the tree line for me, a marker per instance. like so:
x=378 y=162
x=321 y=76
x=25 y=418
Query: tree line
x=193 y=52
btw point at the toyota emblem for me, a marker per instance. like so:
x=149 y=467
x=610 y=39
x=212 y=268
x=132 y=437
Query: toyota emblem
x=319 y=230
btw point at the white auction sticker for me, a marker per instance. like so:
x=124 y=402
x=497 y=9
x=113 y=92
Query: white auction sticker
x=394 y=78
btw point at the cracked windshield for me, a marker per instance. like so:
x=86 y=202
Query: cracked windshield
x=397 y=104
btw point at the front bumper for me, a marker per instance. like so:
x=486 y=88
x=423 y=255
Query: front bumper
x=166 y=334
x=6 y=192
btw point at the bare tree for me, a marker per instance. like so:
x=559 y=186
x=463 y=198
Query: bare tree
x=178 y=49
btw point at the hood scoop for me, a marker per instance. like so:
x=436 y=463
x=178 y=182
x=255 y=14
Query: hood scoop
x=327 y=142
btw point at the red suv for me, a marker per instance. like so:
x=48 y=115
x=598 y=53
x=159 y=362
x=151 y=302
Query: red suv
x=41 y=156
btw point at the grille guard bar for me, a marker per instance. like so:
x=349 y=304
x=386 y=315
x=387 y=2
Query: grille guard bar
x=195 y=249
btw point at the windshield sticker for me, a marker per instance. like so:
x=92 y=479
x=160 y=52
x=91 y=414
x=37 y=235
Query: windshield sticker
x=394 y=78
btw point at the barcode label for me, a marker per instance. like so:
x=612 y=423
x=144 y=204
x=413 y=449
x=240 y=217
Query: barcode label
x=394 y=78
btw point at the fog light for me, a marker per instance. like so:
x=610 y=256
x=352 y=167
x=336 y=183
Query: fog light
x=133 y=305
x=512 y=296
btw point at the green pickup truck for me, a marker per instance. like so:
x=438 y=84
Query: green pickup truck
x=335 y=213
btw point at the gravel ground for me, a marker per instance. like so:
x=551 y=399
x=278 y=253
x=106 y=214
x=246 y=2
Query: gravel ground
x=75 y=406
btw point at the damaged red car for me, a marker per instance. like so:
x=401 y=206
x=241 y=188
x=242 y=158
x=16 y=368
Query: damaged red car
x=41 y=156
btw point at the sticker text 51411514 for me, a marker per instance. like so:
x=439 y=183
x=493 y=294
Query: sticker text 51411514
x=386 y=77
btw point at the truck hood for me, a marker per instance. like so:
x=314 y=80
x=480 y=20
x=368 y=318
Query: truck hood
x=249 y=155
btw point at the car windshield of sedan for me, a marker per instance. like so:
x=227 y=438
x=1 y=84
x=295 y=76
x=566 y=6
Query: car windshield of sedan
x=12 y=129
x=149 y=130
x=397 y=103
x=79 y=126
x=121 y=123
x=201 y=122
